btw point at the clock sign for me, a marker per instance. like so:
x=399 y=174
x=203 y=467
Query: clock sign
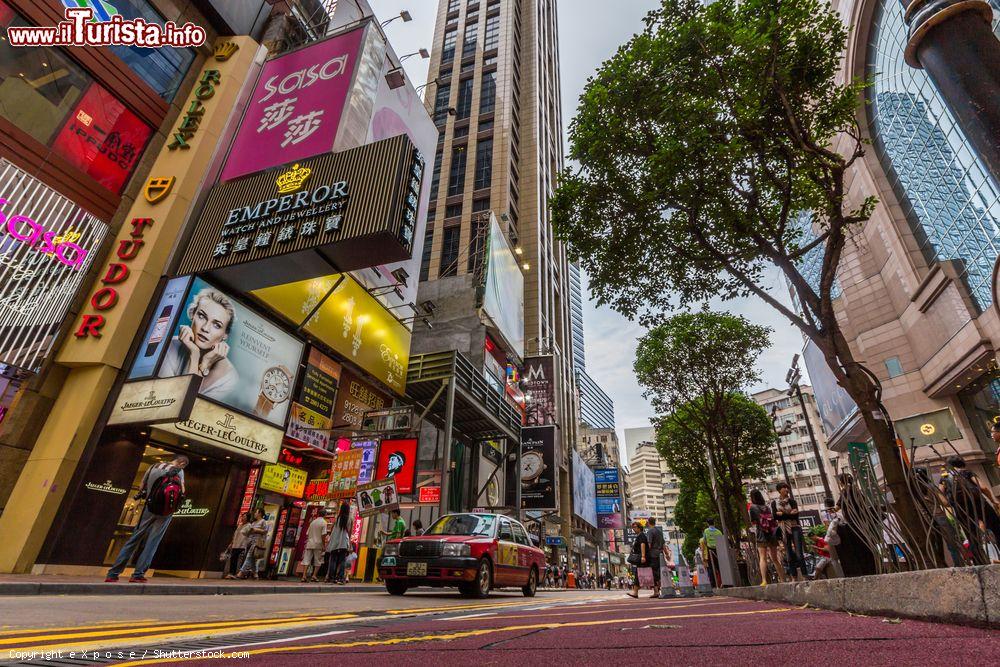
x=397 y=460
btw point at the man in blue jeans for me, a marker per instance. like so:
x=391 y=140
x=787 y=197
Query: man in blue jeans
x=151 y=526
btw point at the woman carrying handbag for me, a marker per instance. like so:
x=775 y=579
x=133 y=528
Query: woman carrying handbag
x=639 y=556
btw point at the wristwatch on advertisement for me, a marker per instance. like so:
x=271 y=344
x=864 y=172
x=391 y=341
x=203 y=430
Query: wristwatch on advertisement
x=275 y=387
x=532 y=466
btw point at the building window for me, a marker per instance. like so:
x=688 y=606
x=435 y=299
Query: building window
x=488 y=94
x=162 y=69
x=456 y=175
x=449 y=251
x=448 y=48
x=491 y=37
x=484 y=164
x=453 y=5
x=464 y=98
x=481 y=204
x=893 y=367
x=469 y=43
x=461 y=132
x=485 y=126
x=452 y=211
x=425 y=257
x=940 y=183
x=436 y=175
x=441 y=104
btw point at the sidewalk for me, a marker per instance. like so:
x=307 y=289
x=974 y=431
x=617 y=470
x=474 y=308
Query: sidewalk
x=27 y=584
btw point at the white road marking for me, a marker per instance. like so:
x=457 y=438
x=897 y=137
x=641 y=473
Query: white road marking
x=285 y=640
x=459 y=618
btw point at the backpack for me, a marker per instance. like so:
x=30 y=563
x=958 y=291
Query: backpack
x=166 y=495
x=963 y=492
x=766 y=522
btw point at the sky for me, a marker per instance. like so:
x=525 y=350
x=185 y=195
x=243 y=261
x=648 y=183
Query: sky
x=590 y=31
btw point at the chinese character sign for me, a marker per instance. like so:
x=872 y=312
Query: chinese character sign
x=344 y=473
x=295 y=109
x=103 y=138
x=608 y=491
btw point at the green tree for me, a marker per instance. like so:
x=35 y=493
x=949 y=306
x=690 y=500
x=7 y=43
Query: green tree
x=716 y=145
x=694 y=508
x=735 y=434
x=694 y=367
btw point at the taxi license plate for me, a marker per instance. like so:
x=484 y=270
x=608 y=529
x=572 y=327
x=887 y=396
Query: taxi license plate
x=416 y=569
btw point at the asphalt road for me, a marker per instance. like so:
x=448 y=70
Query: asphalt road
x=568 y=628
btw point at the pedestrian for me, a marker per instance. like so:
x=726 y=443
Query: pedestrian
x=786 y=512
x=639 y=557
x=162 y=487
x=338 y=546
x=856 y=557
x=397 y=527
x=238 y=546
x=656 y=543
x=417 y=527
x=255 y=542
x=765 y=529
x=973 y=504
x=312 y=554
x=711 y=536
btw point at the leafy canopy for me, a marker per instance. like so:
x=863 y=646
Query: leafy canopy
x=699 y=143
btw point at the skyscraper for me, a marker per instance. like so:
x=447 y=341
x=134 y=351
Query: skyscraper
x=494 y=93
x=597 y=410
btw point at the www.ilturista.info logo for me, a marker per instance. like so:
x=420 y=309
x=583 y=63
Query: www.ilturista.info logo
x=98 y=23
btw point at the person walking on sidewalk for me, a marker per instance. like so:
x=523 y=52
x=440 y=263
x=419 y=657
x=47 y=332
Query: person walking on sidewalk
x=656 y=543
x=711 y=536
x=639 y=556
x=786 y=511
x=312 y=555
x=163 y=488
x=765 y=529
x=338 y=546
x=255 y=542
x=238 y=547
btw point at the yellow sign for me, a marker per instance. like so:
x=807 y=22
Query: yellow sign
x=283 y=479
x=927 y=429
x=158 y=187
x=293 y=179
x=225 y=50
x=351 y=321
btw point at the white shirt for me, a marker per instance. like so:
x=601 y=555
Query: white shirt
x=315 y=533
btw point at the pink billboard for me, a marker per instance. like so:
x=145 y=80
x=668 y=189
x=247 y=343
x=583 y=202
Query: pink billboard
x=295 y=109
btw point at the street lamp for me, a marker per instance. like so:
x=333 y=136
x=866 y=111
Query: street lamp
x=423 y=53
x=793 y=377
x=405 y=15
x=777 y=438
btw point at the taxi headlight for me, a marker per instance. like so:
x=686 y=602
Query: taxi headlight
x=456 y=550
x=391 y=549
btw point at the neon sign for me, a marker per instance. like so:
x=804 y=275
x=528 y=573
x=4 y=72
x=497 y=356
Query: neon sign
x=61 y=246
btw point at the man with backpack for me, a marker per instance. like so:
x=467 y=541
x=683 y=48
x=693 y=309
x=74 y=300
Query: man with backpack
x=163 y=489
x=973 y=505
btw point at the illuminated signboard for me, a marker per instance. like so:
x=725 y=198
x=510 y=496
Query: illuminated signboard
x=397 y=460
x=47 y=244
x=351 y=321
x=283 y=479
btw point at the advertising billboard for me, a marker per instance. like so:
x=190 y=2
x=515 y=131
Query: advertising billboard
x=227 y=429
x=368 y=450
x=397 y=460
x=245 y=362
x=344 y=473
x=377 y=496
x=286 y=480
x=503 y=291
x=539 y=476
x=584 y=500
x=349 y=210
x=311 y=415
x=349 y=320
x=47 y=245
x=608 y=493
x=295 y=109
x=539 y=384
x=102 y=138
x=832 y=402
x=156 y=338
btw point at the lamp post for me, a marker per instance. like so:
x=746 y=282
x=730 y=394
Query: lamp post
x=777 y=439
x=405 y=15
x=793 y=377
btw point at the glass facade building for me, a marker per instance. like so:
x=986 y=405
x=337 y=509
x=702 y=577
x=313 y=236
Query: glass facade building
x=945 y=192
x=576 y=316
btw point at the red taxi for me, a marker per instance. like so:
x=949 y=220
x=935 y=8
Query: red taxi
x=476 y=552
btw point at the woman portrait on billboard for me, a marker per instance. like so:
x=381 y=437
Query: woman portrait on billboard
x=201 y=348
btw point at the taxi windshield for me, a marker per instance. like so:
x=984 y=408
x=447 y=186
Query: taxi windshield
x=463 y=524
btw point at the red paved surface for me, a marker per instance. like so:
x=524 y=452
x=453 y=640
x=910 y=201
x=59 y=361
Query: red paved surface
x=717 y=631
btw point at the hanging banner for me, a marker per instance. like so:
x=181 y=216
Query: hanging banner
x=158 y=332
x=607 y=483
x=539 y=477
x=286 y=480
x=377 y=496
x=539 y=384
x=397 y=460
x=584 y=504
x=344 y=474
x=368 y=450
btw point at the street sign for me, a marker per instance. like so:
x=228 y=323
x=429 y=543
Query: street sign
x=556 y=541
x=429 y=494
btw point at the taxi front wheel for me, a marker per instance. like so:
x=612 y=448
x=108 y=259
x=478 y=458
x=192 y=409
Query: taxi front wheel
x=532 y=585
x=395 y=587
x=480 y=588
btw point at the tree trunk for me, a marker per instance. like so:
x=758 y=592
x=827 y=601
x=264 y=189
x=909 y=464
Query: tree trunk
x=864 y=393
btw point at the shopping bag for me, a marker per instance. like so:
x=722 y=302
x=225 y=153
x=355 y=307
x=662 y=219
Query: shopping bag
x=645 y=577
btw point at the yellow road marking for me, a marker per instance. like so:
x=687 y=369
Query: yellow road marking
x=501 y=617
x=214 y=625
x=462 y=634
x=102 y=624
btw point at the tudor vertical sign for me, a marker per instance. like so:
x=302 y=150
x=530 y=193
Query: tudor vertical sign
x=308 y=219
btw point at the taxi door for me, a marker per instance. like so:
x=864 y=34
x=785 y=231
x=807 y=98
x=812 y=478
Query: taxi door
x=526 y=554
x=507 y=554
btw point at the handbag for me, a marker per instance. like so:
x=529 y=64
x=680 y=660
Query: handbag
x=224 y=556
x=635 y=559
